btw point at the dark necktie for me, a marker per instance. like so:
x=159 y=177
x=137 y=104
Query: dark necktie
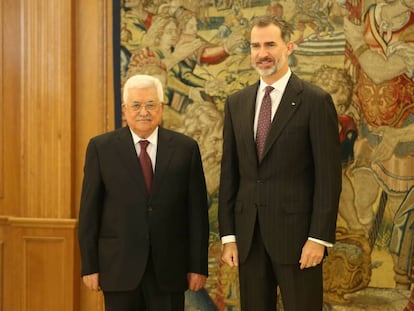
x=146 y=166
x=263 y=124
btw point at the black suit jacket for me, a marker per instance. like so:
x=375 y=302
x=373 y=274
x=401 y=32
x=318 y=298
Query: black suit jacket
x=120 y=224
x=294 y=191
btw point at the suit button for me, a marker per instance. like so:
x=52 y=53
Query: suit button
x=149 y=208
x=260 y=181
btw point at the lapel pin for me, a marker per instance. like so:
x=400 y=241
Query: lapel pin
x=293 y=104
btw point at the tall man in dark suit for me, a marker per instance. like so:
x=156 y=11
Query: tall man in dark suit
x=280 y=179
x=143 y=220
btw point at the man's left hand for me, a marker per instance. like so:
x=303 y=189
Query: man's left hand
x=312 y=254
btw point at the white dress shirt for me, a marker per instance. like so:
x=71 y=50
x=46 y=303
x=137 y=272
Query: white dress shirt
x=276 y=95
x=151 y=148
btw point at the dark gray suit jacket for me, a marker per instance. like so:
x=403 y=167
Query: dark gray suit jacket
x=119 y=223
x=294 y=192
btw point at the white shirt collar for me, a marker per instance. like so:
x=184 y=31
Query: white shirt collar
x=279 y=85
x=153 y=138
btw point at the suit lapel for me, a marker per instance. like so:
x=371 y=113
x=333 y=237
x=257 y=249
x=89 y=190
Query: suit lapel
x=289 y=104
x=128 y=154
x=248 y=118
x=165 y=150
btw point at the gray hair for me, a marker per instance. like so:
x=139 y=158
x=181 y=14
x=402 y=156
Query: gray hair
x=142 y=82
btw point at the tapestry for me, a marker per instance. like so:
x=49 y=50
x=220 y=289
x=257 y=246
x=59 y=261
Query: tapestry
x=362 y=53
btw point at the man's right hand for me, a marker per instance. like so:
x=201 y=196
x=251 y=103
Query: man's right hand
x=92 y=281
x=230 y=255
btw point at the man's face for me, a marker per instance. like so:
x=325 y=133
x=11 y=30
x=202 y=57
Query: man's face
x=269 y=53
x=141 y=120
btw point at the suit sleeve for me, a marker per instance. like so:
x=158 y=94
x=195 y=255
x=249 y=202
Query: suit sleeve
x=327 y=169
x=90 y=211
x=198 y=216
x=229 y=178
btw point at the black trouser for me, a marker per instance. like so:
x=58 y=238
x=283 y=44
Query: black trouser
x=259 y=278
x=146 y=297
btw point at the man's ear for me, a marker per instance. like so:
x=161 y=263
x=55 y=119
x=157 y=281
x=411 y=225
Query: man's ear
x=290 y=47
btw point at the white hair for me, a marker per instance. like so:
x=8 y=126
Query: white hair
x=142 y=82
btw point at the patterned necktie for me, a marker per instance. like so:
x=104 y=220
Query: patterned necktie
x=146 y=166
x=263 y=124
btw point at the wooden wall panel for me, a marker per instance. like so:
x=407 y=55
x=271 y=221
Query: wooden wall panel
x=1 y=111
x=94 y=113
x=1 y=273
x=3 y=225
x=46 y=105
x=37 y=252
x=44 y=273
x=10 y=106
x=55 y=94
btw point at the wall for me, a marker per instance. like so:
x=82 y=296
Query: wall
x=55 y=93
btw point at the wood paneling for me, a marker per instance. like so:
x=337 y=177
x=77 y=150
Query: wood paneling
x=36 y=250
x=55 y=94
x=44 y=270
x=46 y=108
x=10 y=107
x=94 y=113
x=3 y=225
x=1 y=272
x=1 y=112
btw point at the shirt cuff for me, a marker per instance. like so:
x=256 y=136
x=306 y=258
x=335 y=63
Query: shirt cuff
x=228 y=239
x=327 y=244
